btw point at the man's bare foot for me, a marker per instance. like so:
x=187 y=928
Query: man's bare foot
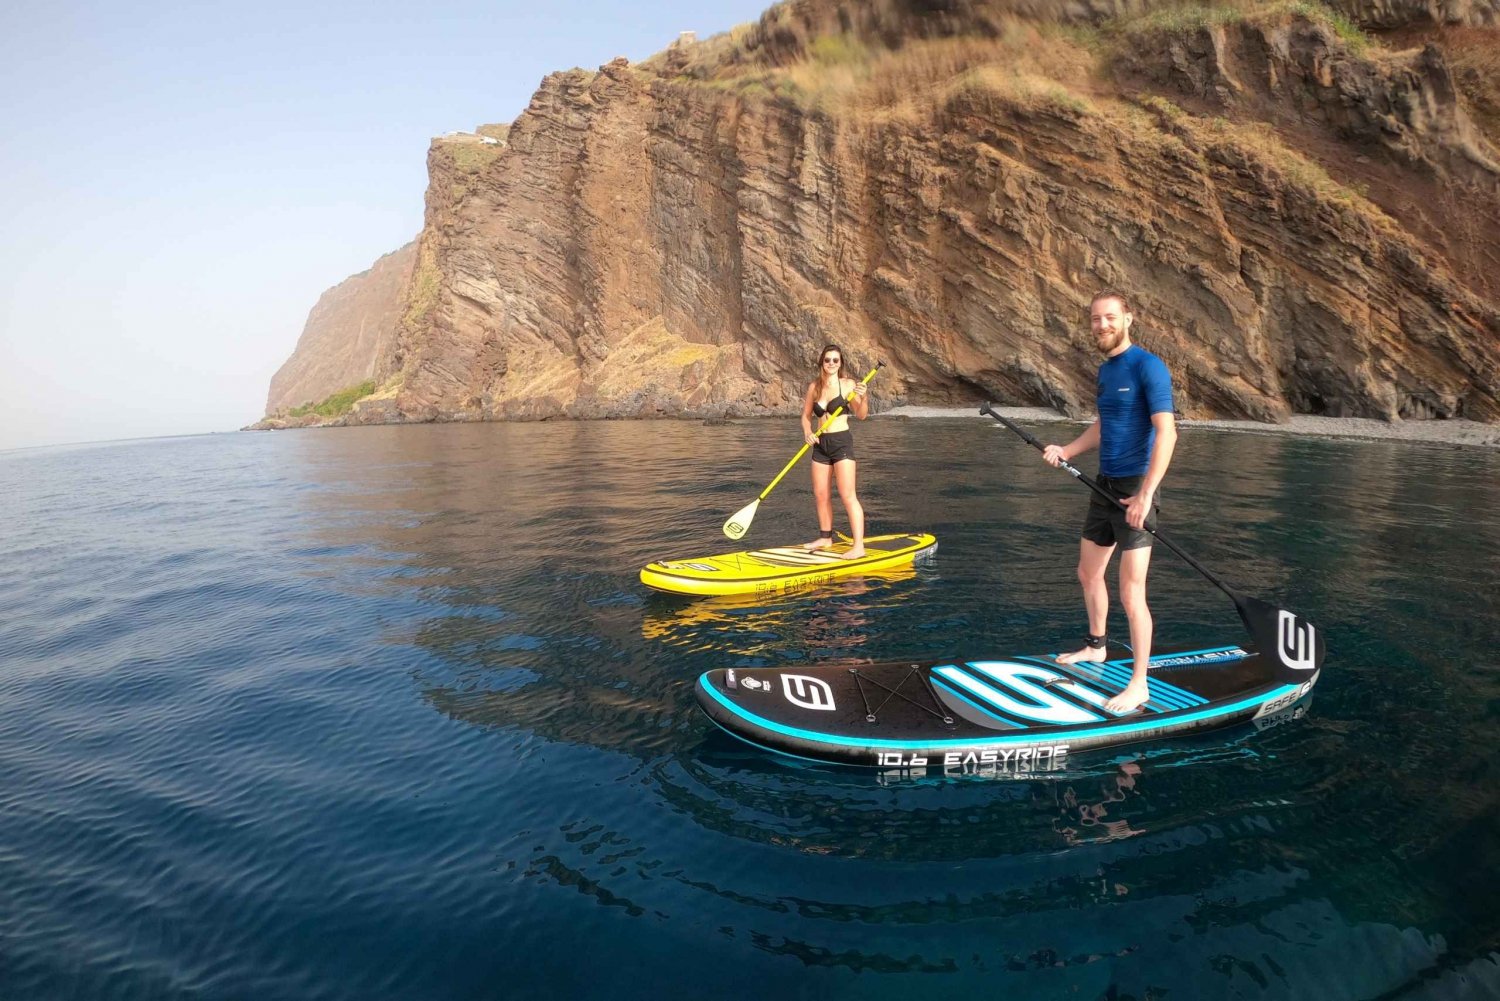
x=853 y=553
x=1132 y=698
x=817 y=544
x=1088 y=655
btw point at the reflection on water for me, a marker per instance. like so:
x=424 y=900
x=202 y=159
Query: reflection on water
x=387 y=713
x=1086 y=820
x=829 y=622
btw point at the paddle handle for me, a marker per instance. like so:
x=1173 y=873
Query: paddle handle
x=1079 y=474
x=826 y=421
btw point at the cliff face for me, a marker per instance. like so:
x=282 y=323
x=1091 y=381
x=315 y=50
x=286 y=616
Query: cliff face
x=1401 y=13
x=1304 y=218
x=348 y=334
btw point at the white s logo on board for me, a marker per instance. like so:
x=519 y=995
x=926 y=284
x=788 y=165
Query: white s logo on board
x=809 y=693
x=1296 y=642
x=1022 y=679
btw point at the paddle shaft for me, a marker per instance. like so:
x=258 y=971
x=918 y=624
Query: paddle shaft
x=826 y=421
x=1079 y=474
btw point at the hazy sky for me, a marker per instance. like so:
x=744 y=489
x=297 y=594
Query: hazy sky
x=180 y=182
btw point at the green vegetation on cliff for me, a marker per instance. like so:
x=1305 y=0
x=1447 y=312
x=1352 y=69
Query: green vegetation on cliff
x=1181 y=18
x=422 y=294
x=337 y=404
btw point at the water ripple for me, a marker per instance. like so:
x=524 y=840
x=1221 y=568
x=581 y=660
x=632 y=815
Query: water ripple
x=384 y=712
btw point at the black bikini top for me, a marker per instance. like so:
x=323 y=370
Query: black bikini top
x=821 y=409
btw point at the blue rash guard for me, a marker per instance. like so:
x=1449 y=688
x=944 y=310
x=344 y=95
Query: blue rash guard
x=1133 y=385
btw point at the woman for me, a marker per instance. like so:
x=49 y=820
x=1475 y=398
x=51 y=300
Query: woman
x=833 y=450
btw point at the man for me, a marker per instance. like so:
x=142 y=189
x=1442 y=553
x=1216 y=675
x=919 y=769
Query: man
x=1135 y=433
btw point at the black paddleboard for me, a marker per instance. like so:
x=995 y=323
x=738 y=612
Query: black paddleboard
x=1015 y=715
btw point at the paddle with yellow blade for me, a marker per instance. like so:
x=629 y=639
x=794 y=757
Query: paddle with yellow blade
x=739 y=522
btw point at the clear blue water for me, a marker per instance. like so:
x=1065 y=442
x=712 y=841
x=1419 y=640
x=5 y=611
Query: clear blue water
x=385 y=713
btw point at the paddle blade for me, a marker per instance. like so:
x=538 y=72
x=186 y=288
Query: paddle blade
x=1292 y=643
x=739 y=522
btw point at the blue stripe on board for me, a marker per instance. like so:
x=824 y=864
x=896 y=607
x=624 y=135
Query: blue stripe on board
x=938 y=683
x=959 y=676
x=1108 y=730
x=1192 y=657
x=1098 y=675
x=1204 y=656
x=1168 y=691
x=1110 y=686
x=1172 y=695
x=1190 y=699
x=1161 y=691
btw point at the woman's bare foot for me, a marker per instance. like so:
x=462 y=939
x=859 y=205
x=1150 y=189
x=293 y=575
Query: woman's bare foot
x=1132 y=698
x=817 y=544
x=853 y=553
x=1088 y=655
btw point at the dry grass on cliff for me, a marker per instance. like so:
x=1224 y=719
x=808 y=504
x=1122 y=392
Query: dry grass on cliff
x=1053 y=67
x=1157 y=124
x=422 y=293
x=700 y=59
x=1025 y=61
x=1181 y=18
x=1021 y=91
x=471 y=156
x=844 y=75
x=1261 y=143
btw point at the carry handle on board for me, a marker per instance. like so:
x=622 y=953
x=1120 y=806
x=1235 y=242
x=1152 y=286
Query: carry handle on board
x=739 y=522
x=1294 y=644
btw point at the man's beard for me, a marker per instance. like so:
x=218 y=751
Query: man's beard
x=1108 y=342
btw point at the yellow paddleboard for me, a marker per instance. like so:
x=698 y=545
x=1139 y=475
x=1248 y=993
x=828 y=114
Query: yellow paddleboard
x=785 y=568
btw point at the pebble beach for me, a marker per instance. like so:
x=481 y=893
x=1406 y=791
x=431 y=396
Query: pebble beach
x=1449 y=432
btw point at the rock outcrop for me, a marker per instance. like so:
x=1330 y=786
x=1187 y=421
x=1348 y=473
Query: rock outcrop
x=348 y=334
x=1305 y=218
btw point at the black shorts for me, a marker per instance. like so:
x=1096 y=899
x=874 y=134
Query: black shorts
x=834 y=446
x=1104 y=525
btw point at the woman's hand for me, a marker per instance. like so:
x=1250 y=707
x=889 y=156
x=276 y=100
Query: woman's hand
x=810 y=439
x=860 y=389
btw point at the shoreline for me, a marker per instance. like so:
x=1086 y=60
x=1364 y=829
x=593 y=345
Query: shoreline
x=1455 y=433
x=1460 y=433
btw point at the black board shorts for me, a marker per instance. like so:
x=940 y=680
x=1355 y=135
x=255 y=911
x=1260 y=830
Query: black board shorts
x=834 y=446
x=1104 y=525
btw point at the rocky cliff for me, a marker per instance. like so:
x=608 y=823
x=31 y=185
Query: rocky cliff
x=349 y=334
x=1303 y=211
